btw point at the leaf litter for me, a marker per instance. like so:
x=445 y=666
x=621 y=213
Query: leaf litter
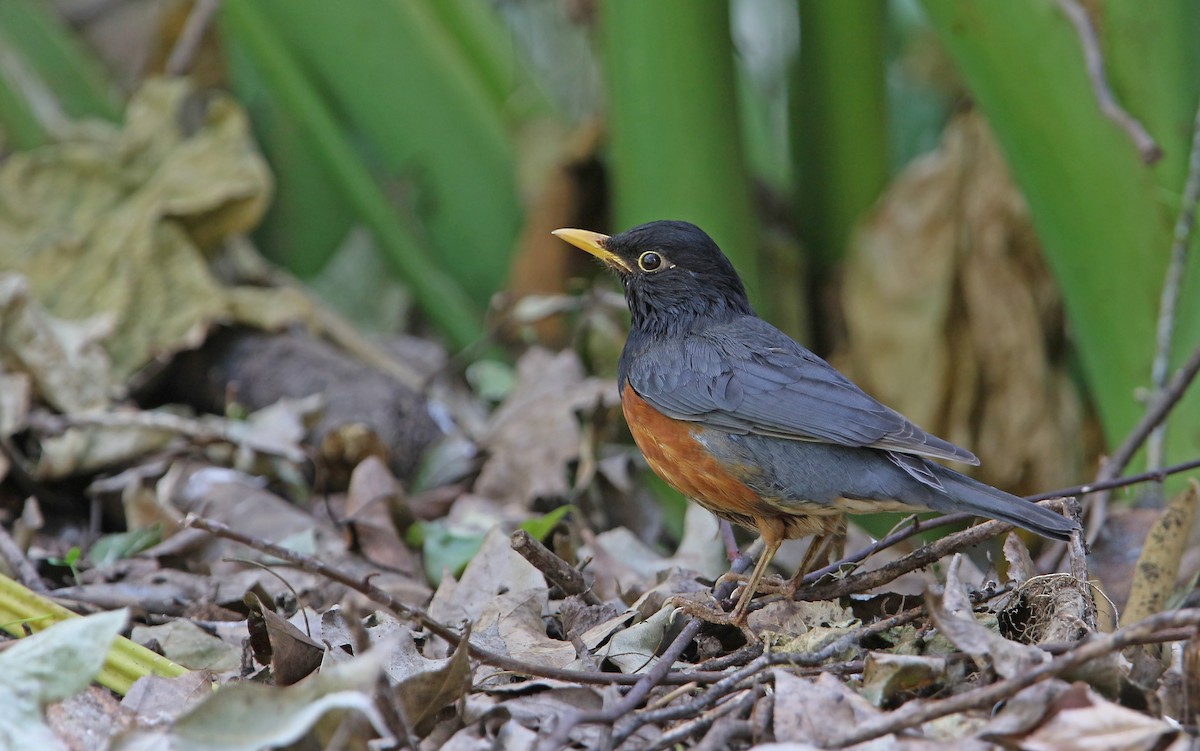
x=438 y=633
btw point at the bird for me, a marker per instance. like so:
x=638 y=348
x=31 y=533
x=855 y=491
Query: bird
x=744 y=420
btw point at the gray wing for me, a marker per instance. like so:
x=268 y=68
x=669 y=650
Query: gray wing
x=753 y=378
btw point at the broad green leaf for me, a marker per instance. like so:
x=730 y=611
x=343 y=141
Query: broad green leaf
x=1103 y=217
x=676 y=147
x=48 y=667
x=541 y=526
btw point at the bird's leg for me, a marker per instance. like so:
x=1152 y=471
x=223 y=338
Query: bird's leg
x=731 y=547
x=823 y=547
x=772 y=536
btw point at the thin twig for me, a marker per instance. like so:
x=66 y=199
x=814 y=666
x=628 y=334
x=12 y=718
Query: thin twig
x=20 y=564
x=729 y=708
x=557 y=571
x=917 y=526
x=919 y=558
x=189 y=39
x=913 y=714
x=654 y=677
x=1119 y=482
x=736 y=680
x=380 y=597
x=1148 y=149
x=1170 y=292
x=724 y=731
x=1156 y=412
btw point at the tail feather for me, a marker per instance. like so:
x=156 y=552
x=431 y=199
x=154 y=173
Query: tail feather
x=964 y=494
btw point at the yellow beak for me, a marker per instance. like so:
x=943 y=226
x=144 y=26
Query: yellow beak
x=593 y=242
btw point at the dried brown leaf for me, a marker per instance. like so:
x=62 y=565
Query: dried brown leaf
x=424 y=693
x=1154 y=578
x=291 y=653
x=494 y=570
x=1020 y=564
x=115 y=223
x=816 y=711
x=1085 y=721
x=535 y=432
x=953 y=614
x=949 y=309
x=887 y=675
x=63 y=359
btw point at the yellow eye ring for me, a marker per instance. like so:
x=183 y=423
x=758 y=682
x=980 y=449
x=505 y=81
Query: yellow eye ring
x=651 y=261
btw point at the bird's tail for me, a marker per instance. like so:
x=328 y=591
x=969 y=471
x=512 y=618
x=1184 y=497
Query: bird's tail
x=972 y=496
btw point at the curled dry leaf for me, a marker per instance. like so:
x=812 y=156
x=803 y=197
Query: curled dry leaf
x=1020 y=564
x=1082 y=720
x=950 y=313
x=116 y=222
x=953 y=614
x=887 y=675
x=291 y=654
x=535 y=432
x=623 y=563
x=816 y=711
x=64 y=359
x=423 y=693
x=634 y=649
x=504 y=597
x=1154 y=577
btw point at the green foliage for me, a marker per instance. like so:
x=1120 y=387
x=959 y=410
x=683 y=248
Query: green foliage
x=541 y=526
x=676 y=150
x=1104 y=218
x=839 y=121
x=46 y=74
x=68 y=561
x=440 y=295
x=112 y=548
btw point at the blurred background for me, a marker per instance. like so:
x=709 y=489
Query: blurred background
x=926 y=192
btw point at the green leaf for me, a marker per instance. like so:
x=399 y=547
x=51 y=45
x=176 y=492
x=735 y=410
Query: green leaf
x=491 y=379
x=1104 y=219
x=441 y=298
x=839 y=123
x=114 y=547
x=399 y=80
x=676 y=145
x=47 y=667
x=443 y=548
x=541 y=526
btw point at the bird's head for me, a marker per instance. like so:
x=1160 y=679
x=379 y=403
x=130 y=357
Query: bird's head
x=674 y=274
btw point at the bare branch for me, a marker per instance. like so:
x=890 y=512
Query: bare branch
x=189 y=39
x=1148 y=149
x=557 y=571
x=914 y=714
x=919 y=558
x=1170 y=292
x=1156 y=412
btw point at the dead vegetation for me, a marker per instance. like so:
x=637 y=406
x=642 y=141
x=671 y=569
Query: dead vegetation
x=361 y=548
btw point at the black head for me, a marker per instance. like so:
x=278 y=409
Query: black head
x=674 y=274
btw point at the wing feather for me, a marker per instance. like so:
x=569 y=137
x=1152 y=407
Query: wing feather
x=747 y=376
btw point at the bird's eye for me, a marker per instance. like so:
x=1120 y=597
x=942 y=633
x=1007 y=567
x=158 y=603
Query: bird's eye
x=650 y=261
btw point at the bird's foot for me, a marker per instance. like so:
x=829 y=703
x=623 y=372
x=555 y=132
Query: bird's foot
x=772 y=583
x=709 y=611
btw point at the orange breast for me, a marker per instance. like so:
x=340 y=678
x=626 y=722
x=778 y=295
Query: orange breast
x=675 y=455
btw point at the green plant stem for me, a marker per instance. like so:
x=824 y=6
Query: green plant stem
x=839 y=122
x=22 y=609
x=441 y=299
x=676 y=148
x=1104 y=221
